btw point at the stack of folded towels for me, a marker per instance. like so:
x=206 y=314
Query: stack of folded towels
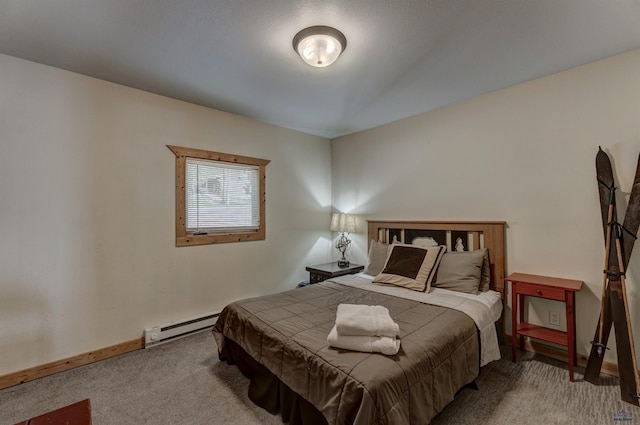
x=367 y=328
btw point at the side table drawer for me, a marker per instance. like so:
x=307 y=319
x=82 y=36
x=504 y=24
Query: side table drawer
x=540 y=291
x=317 y=277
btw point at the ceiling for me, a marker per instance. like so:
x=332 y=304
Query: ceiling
x=403 y=57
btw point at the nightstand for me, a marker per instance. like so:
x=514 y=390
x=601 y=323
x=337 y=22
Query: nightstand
x=550 y=288
x=327 y=271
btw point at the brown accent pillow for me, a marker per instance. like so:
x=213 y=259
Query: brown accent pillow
x=461 y=271
x=411 y=267
x=378 y=253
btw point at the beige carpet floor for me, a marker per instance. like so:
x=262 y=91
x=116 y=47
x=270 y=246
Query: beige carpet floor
x=183 y=382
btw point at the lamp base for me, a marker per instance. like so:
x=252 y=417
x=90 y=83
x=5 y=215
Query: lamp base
x=343 y=263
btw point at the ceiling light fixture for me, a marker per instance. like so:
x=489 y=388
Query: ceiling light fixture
x=319 y=46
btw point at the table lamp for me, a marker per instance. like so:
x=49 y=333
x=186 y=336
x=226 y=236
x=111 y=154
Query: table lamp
x=345 y=224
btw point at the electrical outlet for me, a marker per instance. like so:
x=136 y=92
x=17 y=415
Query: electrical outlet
x=554 y=318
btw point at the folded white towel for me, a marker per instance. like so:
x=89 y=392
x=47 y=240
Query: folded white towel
x=365 y=320
x=368 y=344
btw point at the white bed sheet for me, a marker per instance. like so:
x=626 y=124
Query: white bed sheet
x=485 y=308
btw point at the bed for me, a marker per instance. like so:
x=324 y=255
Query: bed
x=280 y=341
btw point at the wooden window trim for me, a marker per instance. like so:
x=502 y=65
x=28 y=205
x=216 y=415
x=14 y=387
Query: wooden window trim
x=184 y=238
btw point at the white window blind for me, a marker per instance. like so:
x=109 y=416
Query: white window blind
x=221 y=197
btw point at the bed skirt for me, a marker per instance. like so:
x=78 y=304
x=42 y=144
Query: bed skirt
x=268 y=392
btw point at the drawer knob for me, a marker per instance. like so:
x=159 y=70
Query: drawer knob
x=538 y=291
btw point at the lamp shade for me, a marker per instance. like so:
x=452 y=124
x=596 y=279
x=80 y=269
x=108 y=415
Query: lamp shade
x=344 y=223
x=319 y=46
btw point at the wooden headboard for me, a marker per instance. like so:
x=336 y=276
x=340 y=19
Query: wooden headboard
x=468 y=235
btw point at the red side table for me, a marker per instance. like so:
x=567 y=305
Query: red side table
x=550 y=288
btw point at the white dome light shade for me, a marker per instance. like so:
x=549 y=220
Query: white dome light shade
x=319 y=46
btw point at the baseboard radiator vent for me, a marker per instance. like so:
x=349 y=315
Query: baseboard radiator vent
x=160 y=334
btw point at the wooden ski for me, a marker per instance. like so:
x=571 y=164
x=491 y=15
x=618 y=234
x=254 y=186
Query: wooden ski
x=614 y=303
x=627 y=238
x=606 y=189
x=631 y=221
x=605 y=278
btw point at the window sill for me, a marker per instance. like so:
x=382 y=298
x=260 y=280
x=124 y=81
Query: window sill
x=211 y=238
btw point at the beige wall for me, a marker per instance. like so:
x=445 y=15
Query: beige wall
x=525 y=155
x=87 y=247
x=87 y=256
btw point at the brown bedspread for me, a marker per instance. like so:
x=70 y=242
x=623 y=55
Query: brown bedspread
x=287 y=333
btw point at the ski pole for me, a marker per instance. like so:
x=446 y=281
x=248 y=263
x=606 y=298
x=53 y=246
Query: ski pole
x=605 y=278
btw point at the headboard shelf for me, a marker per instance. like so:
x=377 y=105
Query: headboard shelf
x=467 y=235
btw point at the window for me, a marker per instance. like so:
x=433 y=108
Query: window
x=219 y=197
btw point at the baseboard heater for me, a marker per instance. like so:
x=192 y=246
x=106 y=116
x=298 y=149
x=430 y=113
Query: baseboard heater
x=160 y=334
